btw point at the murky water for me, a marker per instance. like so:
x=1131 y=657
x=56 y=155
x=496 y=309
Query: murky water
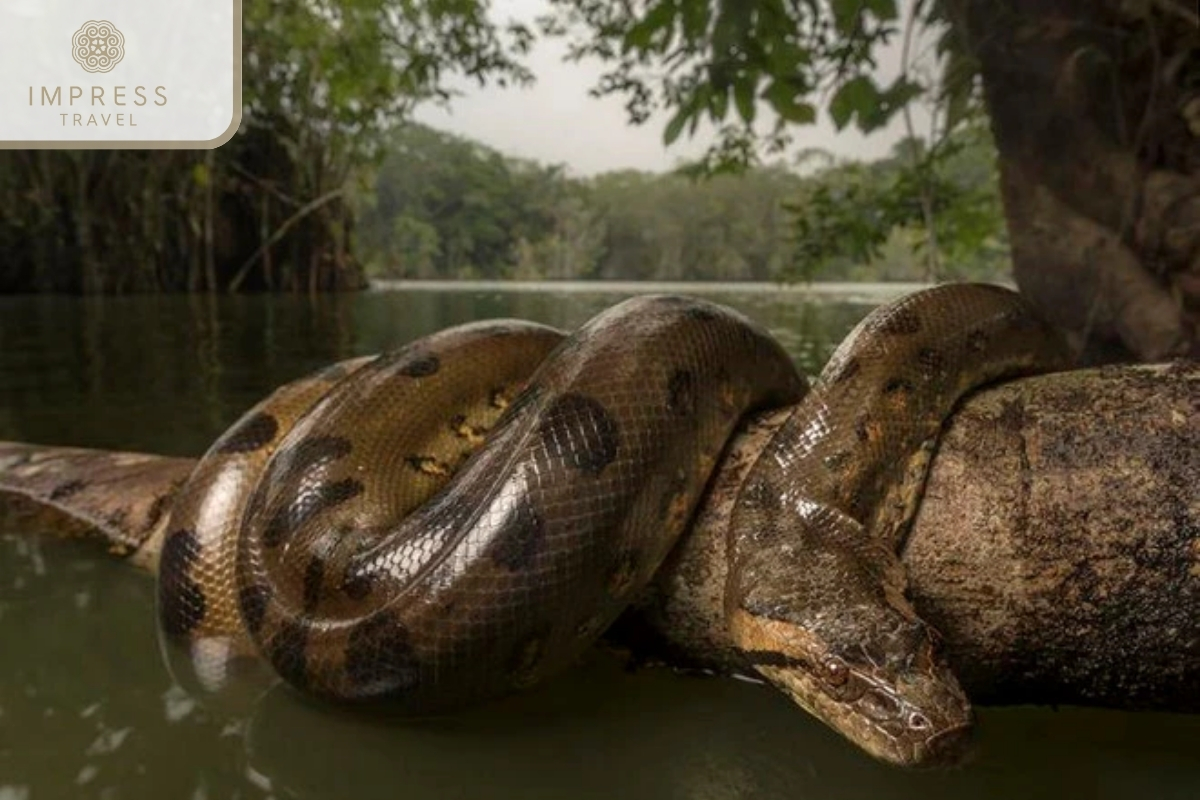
x=88 y=710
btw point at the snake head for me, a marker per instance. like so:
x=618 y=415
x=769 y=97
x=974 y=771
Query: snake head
x=856 y=656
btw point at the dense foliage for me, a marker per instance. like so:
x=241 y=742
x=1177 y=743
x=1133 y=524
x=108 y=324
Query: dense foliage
x=442 y=206
x=759 y=71
x=328 y=86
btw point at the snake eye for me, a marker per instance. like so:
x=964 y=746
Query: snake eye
x=836 y=671
x=918 y=722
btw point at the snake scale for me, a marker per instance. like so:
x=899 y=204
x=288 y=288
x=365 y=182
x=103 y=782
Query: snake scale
x=462 y=517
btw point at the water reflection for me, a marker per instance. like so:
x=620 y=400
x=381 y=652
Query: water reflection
x=88 y=710
x=87 y=371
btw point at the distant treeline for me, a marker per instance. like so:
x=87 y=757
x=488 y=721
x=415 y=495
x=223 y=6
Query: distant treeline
x=434 y=205
x=441 y=206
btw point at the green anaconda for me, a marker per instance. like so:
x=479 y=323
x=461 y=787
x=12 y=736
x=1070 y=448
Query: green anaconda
x=462 y=517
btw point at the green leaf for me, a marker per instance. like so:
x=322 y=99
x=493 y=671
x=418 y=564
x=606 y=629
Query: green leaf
x=855 y=97
x=731 y=27
x=799 y=113
x=675 y=125
x=718 y=105
x=888 y=103
x=846 y=14
x=883 y=10
x=640 y=36
x=743 y=97
x=782 y=96
x=695 y=16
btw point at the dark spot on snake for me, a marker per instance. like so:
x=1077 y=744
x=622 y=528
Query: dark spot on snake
x=252 y=600
x=977 y=340
x=895 y=385
x=314 y=576
x=931 y=361
x=357 y=583
x=67 y=489
x=249 y=434
x=861 y=431
x=307 y=505
x=380 y=658
x=519 y=542
x=181 y=601
x=580 y=432
x=287 y=651
x=849 y=369
x=421 y=366
x=306 y=454
x=901 y=322
x=681 y=393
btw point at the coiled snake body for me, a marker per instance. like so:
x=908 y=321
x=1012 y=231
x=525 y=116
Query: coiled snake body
x=462 y=517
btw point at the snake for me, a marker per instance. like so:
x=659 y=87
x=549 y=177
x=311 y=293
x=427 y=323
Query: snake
x=462 y=517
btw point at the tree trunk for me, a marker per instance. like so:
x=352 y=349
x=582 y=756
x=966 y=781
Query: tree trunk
x=1095 y=108
x=1057 y=548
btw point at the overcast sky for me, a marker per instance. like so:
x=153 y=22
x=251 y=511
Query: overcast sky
x=555 y=121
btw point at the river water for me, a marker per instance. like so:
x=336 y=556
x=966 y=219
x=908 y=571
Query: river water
x=87 y=708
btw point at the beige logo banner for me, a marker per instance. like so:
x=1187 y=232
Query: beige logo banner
x=137 y=74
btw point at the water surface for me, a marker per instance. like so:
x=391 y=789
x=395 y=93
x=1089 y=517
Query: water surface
x=88 y=710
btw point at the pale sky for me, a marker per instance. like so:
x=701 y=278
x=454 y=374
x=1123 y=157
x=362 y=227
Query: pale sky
x=555 y=121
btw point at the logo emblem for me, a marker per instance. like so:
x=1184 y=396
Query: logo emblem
x=98 y=46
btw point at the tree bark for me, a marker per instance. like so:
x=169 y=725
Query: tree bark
x=1095 y=109
x=1057 y=548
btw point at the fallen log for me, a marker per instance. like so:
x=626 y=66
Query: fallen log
x=1057 y=548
